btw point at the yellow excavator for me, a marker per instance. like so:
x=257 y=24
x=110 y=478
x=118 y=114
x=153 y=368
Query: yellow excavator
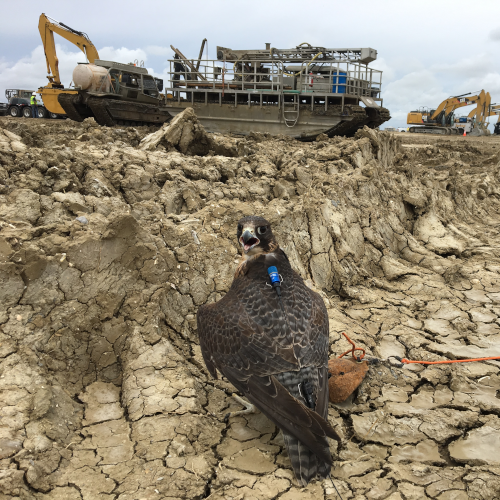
x=47 y=28
x=112 y=93
x=441 y=120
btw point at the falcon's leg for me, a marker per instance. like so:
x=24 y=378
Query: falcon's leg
x=250 y=408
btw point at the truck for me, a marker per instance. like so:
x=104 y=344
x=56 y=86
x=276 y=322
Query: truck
x=19 y=104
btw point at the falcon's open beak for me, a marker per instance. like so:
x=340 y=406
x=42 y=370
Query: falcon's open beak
x=248 y=239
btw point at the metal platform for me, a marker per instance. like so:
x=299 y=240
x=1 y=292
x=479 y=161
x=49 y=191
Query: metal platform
x=299 y=92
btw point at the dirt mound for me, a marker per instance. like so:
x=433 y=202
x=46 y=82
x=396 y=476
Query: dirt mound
x=107 y=250
x=184 y=131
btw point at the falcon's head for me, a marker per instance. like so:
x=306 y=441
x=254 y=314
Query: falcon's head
x=255 y=235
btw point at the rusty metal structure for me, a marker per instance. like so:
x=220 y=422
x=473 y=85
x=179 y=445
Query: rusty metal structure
x=300 y=92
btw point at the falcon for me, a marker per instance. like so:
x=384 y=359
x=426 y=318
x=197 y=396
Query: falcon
x=269 y=337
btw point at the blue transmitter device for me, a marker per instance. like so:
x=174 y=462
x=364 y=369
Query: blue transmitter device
x=274 y=277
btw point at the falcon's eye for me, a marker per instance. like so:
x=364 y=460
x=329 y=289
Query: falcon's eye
x=240 y=228
x=261 y=229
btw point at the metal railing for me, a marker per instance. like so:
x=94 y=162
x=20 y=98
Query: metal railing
x=331 y=79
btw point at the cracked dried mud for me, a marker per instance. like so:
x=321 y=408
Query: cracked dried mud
x=109 y=245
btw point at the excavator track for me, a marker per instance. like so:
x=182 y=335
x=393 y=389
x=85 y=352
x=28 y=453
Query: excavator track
x=349 y=127
x=100 y=111
x=67 y=102
x=435 y=130
x=383 y=115
x=110 y=112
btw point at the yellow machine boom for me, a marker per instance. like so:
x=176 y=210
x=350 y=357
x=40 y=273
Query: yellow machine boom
x=47 y=29
x=54 y=88
x=451 y=104
x=492 y=110
x=483 y=108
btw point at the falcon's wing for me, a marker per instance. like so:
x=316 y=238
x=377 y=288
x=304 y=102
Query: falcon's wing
x=247 y=329
x=242 y=331
x=246 y=337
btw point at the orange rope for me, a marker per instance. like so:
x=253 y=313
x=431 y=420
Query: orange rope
x=408 y=361
x=354 y=348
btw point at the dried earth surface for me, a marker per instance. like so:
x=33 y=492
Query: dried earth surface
x=108 y=246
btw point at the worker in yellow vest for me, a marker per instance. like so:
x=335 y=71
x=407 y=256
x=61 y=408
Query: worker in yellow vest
x=34 y=105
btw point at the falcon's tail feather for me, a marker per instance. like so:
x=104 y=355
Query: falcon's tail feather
x=306 y=465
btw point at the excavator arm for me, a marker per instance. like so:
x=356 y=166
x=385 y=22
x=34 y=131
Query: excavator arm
x=483 y=108
x=461 y=104
x=472 y=113
x=452 y=103
x=47 y=29
x=441 y=108
x=494 y=110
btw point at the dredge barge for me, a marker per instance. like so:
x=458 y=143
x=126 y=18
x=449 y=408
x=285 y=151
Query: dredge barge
x=300 y=92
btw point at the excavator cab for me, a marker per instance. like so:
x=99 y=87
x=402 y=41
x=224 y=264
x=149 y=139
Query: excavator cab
x=124 y=84
x=131 y=85
x=114 y=93
x=116 y=80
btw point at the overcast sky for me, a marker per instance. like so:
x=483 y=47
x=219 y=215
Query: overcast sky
x=428 y=49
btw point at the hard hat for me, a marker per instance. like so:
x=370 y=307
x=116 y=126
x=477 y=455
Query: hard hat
x=34 y=93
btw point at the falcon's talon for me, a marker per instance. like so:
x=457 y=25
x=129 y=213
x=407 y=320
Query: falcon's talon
x=249 y=408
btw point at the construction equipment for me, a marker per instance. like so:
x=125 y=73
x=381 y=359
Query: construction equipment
x=110 y=92
x=481 y=114
x=495 y=110
x=115 y=94
x=441 y=120
x=19 y=104
x=477 y=119
x=300 y=92
x=47 y=27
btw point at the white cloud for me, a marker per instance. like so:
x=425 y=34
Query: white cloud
x=123 y=55
x=466 y=67
x=414 y=90
x=490 y=82
x=495 y=35
x=387 y=69
x=157 y=50
x=30 y=72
